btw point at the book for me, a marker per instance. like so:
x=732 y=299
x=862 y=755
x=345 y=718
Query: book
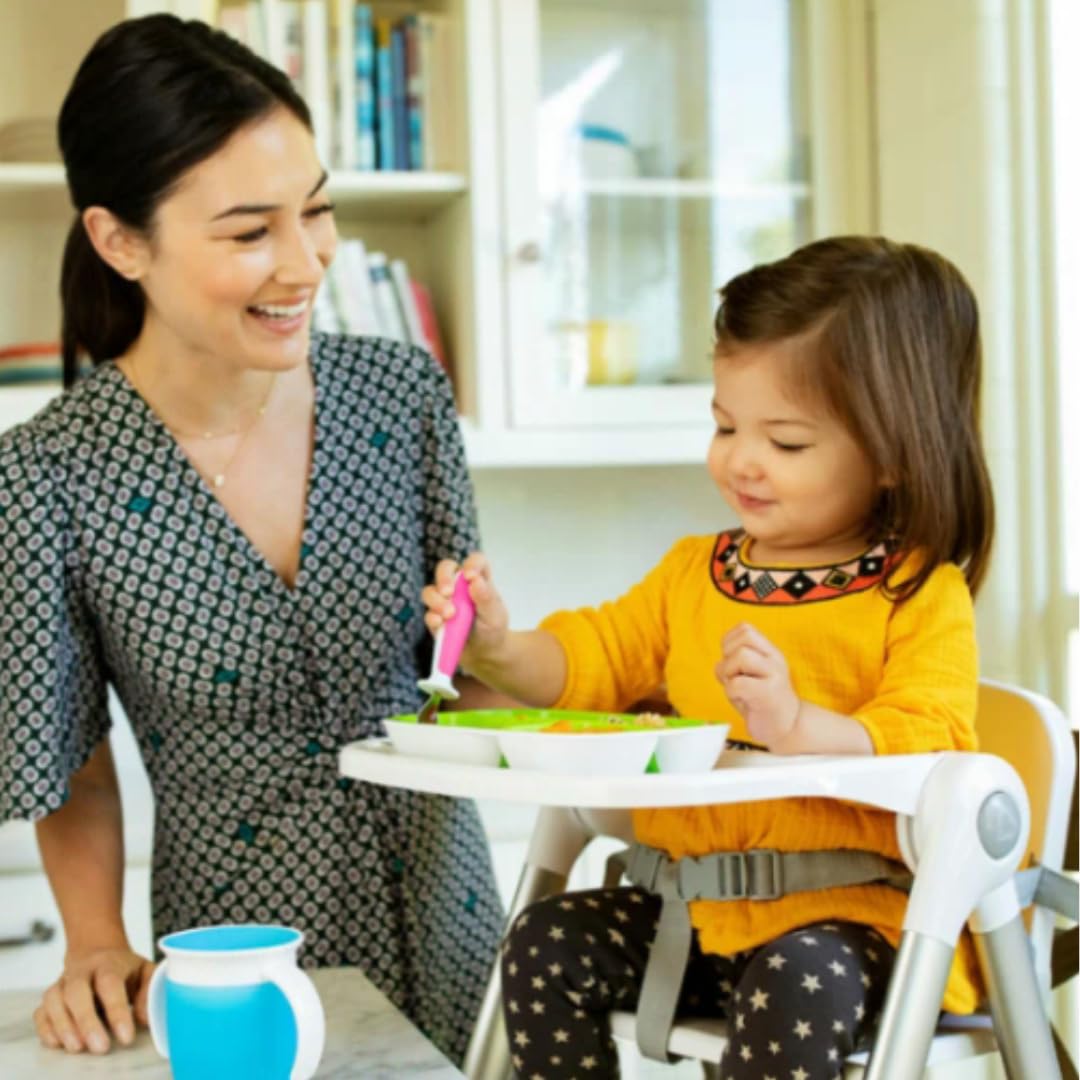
x=273 y=23
x=414 y=88
x=350 y=284
x=398 y=102
x=364 y=88
x=315 y=75
x=256 y=27
x=399 y=275
x=30 y=362
x=439 y=121
x=292 y=28
x=429 y=322
x=384 y=94
x=344 y=35
x=391 y=318
x=324 y=313
x=233 y=19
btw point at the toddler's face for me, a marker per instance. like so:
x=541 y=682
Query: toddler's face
x=801 y=486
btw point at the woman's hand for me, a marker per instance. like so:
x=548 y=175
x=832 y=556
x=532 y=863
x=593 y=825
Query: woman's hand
x=755 y=678
x=491 y=626
x=100 y=992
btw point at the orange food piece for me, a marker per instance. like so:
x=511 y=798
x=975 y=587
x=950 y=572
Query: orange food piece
x=564 y=727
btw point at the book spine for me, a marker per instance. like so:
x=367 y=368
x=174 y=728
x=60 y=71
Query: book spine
x=429 y=322
x=315 y=70
x=273 y=21
x=353 y=293
x=324 y=314
x=345 y=80
x=366 y=152
x=386 y=302
x=414 y=90
x=399 y=275
x=293 y=26
x=256 y=27
x=401 y=118
x=384 y=94
x=234 y=21
x=425 y=32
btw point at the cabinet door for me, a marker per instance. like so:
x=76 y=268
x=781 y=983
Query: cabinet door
x=653 y=148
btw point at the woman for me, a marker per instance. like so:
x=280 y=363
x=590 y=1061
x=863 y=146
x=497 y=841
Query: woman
x=230 y=521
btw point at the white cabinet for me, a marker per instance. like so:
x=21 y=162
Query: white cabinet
x=619 y=160
x=650 y=150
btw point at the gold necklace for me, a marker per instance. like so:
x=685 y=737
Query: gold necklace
x=216 y=478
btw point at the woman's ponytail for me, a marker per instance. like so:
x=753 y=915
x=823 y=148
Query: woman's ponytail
x=101 y=312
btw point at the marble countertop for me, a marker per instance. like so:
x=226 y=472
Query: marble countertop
x=365 y=1037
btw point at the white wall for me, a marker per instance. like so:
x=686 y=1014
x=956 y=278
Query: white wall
x=567 y=537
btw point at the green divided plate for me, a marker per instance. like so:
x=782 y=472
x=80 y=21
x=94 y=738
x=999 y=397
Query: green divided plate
x=538 y=719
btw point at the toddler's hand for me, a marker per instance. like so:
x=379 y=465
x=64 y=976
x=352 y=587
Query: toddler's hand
x=491 y=624
x=755 y=678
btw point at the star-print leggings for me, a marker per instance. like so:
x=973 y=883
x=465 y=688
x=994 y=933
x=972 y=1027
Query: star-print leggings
x=797 y=1006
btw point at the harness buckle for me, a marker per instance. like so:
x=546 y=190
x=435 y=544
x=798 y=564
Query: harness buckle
x=643 y=866
x=764 y=874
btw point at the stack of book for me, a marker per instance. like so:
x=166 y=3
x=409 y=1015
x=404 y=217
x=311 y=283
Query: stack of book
x=380 y=90
x=30 y=363
x=367 y=293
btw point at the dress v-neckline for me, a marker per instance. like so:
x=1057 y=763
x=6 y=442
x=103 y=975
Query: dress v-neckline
x=197 y=482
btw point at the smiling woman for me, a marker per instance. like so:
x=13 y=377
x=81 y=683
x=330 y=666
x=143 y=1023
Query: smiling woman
x=230 y=520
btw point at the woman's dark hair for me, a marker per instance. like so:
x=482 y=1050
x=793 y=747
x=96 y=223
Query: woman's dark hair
x=889 y=337
x=154 y=97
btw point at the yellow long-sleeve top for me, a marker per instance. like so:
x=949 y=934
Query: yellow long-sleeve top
x=907 y=673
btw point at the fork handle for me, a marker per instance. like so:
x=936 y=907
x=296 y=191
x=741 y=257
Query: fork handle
x=450 y=639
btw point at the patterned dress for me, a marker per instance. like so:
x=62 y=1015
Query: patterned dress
x=120 y=567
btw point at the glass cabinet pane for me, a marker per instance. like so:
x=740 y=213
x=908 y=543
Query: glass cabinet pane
x=672 y=154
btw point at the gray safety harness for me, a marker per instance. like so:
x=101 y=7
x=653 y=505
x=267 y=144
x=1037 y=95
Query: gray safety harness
x=768 y=875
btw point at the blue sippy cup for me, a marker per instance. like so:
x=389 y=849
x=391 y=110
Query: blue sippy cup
x=230 y=1003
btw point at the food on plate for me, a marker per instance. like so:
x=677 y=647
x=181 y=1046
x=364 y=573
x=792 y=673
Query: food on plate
x=604 y=725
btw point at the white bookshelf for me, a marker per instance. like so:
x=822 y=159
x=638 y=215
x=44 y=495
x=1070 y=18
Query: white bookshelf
x=471 y=234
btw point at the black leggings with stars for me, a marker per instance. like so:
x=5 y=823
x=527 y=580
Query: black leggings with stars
x=797 y=1006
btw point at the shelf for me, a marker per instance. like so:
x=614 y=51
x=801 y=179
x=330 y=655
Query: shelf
x=521 y=449
x=656 y=188
x=395 y=195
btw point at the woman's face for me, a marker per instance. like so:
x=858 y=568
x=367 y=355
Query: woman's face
x=239 y=250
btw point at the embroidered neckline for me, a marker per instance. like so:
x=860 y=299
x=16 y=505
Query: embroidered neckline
x=752 y=583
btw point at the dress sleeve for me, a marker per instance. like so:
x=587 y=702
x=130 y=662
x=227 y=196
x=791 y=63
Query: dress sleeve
x=927 y=695
x=615 y=653
x=450 y=529
x=53 y=702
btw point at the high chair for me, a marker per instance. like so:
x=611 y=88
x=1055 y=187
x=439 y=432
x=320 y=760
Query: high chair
x=964 y=822
x=1033 y=735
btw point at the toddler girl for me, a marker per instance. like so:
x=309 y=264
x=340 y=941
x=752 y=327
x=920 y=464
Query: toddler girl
x=836 y=619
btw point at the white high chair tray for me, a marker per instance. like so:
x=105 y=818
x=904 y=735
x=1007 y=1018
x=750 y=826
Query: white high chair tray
x=891 y=782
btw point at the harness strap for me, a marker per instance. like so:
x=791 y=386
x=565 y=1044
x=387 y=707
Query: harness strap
x=726 y=875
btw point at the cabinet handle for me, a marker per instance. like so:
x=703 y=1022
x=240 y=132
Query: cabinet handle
x=39 y=933
x=529 y=252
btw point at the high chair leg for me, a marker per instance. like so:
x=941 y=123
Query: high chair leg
x=912 y=1003
x=1020 y=1022
x=558 y=839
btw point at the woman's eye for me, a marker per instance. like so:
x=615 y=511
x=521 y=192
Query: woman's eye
x=317 y=211
x=721 y=430
x=251 y=237
x=790 y=448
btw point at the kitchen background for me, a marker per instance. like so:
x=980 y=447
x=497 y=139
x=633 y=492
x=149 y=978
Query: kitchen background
x=571 y=182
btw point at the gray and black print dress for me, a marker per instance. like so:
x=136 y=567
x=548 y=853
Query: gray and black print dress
x=118 y=565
